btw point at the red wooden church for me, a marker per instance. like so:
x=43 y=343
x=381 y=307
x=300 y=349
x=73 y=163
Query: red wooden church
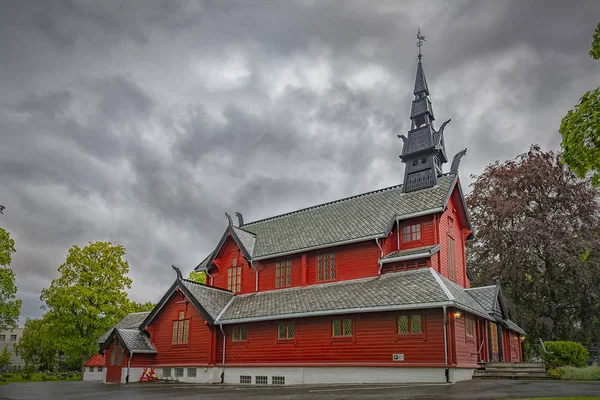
x=370 y=288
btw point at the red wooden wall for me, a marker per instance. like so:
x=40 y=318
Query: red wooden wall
x=465 y=348
x=373 y=342
x=449 y=224
x=200 y=347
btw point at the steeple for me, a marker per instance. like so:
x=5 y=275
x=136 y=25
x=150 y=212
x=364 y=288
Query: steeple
x=424 y=151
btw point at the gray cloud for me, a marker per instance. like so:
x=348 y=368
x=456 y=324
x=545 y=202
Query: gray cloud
x=142 y=122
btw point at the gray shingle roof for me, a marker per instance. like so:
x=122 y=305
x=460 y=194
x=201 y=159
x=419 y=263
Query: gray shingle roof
x=136 y=341
x=409 y=289
x=246 y=238
x=514 y=327
x=485 y=296
x=357 y=217
x=429 y=250
x=213 y=300
x=462 y=298
x=130 y=321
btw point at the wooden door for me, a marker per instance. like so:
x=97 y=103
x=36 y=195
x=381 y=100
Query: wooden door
x=115 y=364
x=494 y=347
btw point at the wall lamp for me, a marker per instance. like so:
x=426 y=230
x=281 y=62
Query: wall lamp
x=456 y=314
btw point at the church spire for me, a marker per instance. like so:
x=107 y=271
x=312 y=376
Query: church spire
x=424 y=151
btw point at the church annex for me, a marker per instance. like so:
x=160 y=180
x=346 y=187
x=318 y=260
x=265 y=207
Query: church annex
x=371 y=288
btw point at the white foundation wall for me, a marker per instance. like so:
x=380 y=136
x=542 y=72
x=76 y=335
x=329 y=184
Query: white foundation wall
x=324 y=375
x=93 y=376
x=203 y=375
x=460 y=374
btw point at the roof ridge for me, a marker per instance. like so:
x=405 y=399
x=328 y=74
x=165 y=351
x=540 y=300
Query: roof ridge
x=324 y=204
x=137 y=312
x=481 y=287
x=207 y=286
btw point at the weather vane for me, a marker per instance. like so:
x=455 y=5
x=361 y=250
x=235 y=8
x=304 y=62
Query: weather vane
x=420 y=41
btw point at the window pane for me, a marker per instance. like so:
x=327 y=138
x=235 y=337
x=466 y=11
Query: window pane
x=236 y=334
x=416 y=232
x=191 y=372
x=415 y=323
x=242 y=334
x=320 y=267
x=337 y=327
x=347 y=327
x=119 y=356
x=167 y=372
x=186 y=328
x=326 y=267
x=181 y=315
x=290 y=331
x=174 y=332
x=406 y=233
x=234 y=261
x=178 y=372
x=402 y=324
x=281 y=331
x=180 y=333
x=332 y=265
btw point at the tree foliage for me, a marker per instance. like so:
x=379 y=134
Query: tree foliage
x=196 y=276
x=37 y=345
x=580 y=129
x=10 y=306
x=88 y=298
x=140 y=307
x=536 y=228
x=4 y=358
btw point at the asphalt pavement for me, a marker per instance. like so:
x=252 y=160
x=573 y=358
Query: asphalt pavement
x=476 y=389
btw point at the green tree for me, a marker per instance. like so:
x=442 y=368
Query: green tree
x=580 y=129
x=140 y=307
x=37 y=345
x=10 y=306
x=196 y=276
x=536 y=228
x=4 y=358
x=88 y=298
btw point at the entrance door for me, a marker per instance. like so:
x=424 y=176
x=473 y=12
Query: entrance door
x=494 y=348
x=115 y=361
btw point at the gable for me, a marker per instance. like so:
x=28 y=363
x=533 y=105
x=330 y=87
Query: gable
x=459 y=203
x=207 y=300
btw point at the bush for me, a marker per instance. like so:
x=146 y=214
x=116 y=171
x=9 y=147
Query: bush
x=554 y=373
x=578 y=374
x=562 y=354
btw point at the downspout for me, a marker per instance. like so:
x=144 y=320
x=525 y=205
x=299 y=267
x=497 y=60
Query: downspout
x=128 y=366
x=398 y=227
x=446 y=371
x=252 y=264
x=210 y=276
x=380 y=255
x=224 y=340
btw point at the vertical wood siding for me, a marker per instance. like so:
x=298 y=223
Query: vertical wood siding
x=466 y=348
x=195 y=352
x=374 y=341
x=459 y=243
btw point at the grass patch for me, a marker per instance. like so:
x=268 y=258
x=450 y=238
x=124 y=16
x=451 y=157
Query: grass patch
x=576 y=374
x=37 y=377
x=562 y=398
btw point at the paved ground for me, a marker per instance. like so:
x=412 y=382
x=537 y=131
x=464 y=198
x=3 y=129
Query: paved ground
x=463 y=390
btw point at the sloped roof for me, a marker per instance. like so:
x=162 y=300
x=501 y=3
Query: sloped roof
x=130 y=321
x=354 y=218
x=426 y=251
x=462 y=298
x=514 y=327
x=97 y=360
x=135 y=341
x=485 y=296
x=213 y=300
x=400 y=289
x=246 y=239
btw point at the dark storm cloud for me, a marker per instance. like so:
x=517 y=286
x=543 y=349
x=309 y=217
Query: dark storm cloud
x=142 y=122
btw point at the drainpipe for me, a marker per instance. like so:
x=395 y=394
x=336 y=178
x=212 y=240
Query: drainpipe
x=256 y=273
x=224 y=340
x=380 y=255
x=446 y=371
x=128 y=366
x=210 y=276
x=398 y=227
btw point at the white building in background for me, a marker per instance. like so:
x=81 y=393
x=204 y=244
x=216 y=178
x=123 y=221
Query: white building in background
x=9 y=339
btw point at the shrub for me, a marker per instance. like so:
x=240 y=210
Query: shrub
x=580 y=374
x=562 y=354
x=554 y=373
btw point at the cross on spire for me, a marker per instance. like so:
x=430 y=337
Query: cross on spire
x=420 y=40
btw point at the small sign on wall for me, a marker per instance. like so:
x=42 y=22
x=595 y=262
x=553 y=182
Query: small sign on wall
x=398 y=357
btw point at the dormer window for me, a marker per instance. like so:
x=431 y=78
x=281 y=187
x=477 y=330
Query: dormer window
x=411 y=233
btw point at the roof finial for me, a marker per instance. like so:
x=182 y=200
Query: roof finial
x=420 y=40
x=178 y=272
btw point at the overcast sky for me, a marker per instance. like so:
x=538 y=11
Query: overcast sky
x=141 y=122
